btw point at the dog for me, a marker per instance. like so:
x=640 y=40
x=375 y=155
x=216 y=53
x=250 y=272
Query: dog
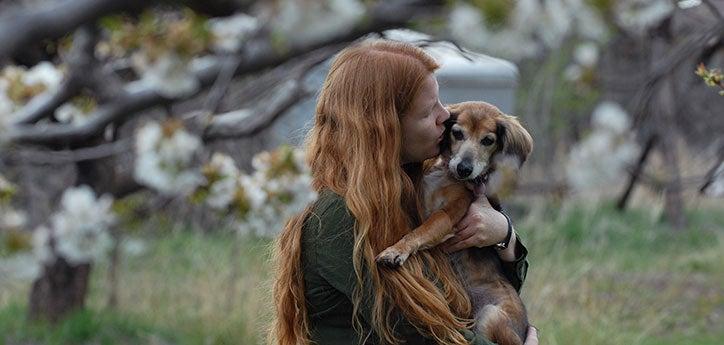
x=481 y=146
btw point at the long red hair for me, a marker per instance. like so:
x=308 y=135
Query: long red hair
x=354 y=150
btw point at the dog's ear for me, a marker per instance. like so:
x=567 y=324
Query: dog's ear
x=513 y=139
x=446 y=142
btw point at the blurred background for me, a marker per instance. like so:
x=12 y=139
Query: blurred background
x=151 y=150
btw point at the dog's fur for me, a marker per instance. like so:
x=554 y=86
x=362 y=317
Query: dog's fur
x=482 y=145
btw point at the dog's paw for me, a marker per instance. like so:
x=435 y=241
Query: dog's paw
x=392 y=257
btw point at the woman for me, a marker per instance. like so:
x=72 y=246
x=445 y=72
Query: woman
x=378 y=118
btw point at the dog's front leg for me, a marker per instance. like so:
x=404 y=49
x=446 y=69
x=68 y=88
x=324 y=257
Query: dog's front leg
x=435 y=230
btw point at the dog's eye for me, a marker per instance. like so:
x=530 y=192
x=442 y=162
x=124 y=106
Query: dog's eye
x=457 y=134
x=487 y=141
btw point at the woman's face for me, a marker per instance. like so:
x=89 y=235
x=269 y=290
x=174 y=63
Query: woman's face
x=422 y=124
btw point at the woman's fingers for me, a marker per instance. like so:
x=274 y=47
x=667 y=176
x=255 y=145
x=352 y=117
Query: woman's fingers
x=532 y=338
x=467 y=243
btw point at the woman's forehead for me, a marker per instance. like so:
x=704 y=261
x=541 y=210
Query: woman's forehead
x=429 y=88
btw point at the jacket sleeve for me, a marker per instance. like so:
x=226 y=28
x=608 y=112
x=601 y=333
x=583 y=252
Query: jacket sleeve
x=516 y=270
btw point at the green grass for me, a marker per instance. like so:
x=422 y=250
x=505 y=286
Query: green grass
x=602 y=277
x=596 y=277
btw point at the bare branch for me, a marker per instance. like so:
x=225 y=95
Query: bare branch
x=714 y=10
x=21 y=28
x=218 y=90
x=43 y=157
x=259 y=54
x=247 y=122
x=123 y=107
x=695 y=42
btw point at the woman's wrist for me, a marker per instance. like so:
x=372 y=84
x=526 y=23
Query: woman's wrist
x=508 y=254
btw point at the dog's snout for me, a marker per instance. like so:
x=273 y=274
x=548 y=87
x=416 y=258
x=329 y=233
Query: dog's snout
x=464 y=168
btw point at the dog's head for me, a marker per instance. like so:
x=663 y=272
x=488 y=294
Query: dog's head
x=479 y=135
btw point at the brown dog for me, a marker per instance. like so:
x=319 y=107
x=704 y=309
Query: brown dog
x=483 y=146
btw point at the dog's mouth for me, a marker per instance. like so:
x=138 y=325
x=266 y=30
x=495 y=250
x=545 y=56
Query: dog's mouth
x=481 y=179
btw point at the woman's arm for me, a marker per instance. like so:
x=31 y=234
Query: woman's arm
x=484 y=226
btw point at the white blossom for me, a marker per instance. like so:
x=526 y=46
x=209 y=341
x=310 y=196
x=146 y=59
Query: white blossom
x=70 y=113
x=230 y=32
x=44 y=73
x=468 y=26
x=612 y=117
x=305 y=21
x=532 y=27
x=80 y=227
x=163 y=160
x=223 y=190
x=573 y=72
x=586 y=54
x=170 y=75
x=253 y=190
x=686 y=4
x=11 y=218
x=21 y=266
x=133 y=246
x=283 y=178
x=600 y=160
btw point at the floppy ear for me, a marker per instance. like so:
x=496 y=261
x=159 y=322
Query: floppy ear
x=445 y=143
x=513 y=139
x=514 y=146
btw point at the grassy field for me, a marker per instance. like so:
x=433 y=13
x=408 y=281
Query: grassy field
x=596 y=277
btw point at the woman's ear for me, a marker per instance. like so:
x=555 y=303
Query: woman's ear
x=513 y=139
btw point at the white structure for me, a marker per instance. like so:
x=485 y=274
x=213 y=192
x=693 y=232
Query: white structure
x=483 y=79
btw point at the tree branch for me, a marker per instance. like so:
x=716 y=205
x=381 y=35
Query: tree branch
x=23 y=27
x=43 y=157
x=248 y=122
x=259 y=54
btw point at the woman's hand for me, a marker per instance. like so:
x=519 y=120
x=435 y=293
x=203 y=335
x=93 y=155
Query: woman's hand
x=482 y=226
x=532 y=338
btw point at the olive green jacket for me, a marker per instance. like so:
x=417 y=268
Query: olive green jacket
x=329 y=279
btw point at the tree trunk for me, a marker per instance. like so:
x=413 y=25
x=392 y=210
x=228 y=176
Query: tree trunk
x=61 y=289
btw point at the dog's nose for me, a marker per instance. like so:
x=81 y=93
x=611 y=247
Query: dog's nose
x=465 y=167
